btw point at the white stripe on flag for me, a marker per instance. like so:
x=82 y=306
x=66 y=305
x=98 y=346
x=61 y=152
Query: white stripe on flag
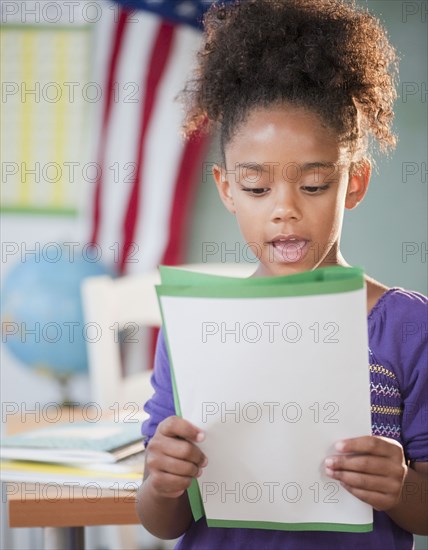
x=124 y=128
x=163 y=153
x=101 y=52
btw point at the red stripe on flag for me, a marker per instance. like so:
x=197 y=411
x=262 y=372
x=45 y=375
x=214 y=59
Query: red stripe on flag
x=184 y=195
x=158 y=61
x=112 y=69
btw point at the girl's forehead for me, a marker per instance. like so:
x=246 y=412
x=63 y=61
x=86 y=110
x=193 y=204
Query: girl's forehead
x=268 y=122
x=285 y=131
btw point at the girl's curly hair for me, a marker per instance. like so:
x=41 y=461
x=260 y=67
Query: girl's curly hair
x=324 y=55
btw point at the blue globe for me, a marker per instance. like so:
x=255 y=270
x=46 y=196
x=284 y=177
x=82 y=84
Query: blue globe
x=42 y=317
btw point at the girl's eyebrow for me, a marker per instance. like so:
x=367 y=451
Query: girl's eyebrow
x=265 y=167
x=306 y=167
x=325 y=165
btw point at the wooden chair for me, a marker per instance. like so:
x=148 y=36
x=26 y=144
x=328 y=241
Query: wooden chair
x=113 y=305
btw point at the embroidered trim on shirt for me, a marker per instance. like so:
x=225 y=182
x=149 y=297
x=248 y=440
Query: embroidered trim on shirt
x=387 y=431
x=382 y=370
x=381 y=389
x=381 y=409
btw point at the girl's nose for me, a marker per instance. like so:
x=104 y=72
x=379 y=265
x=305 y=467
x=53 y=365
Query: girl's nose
x=286 y=206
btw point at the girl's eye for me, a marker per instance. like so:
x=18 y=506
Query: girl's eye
x=255 y=190
x=314 y=190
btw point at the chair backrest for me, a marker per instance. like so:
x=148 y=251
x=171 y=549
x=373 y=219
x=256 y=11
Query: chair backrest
x=127 y=302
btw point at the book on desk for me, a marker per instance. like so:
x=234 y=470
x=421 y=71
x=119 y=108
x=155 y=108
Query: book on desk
x=105 y=453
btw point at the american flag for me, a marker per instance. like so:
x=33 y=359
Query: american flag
x=144 y=51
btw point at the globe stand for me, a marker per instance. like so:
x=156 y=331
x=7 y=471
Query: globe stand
x=64 y=384
x=63 y=380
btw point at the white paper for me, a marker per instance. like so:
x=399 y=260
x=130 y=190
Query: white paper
x=296 y=375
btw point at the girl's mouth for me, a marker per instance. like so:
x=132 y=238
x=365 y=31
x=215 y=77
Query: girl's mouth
x=290 y=250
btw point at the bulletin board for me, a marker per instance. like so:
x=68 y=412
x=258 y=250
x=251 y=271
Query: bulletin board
x=46 y=97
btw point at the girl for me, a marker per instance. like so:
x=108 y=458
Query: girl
x=298 y=90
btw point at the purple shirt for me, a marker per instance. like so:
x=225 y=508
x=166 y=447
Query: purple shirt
x=397 y=327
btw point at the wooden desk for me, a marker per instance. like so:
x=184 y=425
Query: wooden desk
x=35 y=505
x=63 y=511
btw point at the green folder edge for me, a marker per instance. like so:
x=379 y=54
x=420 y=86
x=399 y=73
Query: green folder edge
x=328 y=280
x=177 y=276
x=193 y=491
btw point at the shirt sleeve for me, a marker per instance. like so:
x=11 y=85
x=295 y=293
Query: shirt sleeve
x=161 y=404
x=403 y=331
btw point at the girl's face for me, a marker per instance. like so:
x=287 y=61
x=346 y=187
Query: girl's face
x=287 y=180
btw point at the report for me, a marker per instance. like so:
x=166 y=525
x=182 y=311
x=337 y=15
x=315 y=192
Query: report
x=275 y=371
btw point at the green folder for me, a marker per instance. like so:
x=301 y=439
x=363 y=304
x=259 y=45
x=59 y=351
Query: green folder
x=173 y=276
x=182 y=283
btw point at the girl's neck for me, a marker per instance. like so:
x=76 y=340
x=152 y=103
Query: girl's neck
x=331 y=260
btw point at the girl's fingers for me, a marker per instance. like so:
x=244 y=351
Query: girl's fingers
x=176 y=437
x=368 y=464
x=172 y=463
x=371 y=483
x=178 y=467
x=377 y=467
x=173 y=458
x=174 y=426
x=370 y=444
x=179 y=449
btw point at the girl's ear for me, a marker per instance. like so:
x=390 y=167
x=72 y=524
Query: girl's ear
x=359 y=178
x=223 y=188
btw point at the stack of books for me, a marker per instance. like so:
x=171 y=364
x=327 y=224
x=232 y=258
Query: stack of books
x=104 y=454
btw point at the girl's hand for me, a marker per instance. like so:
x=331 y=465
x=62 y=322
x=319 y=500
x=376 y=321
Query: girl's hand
x=172 y=458
x=375 y=473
